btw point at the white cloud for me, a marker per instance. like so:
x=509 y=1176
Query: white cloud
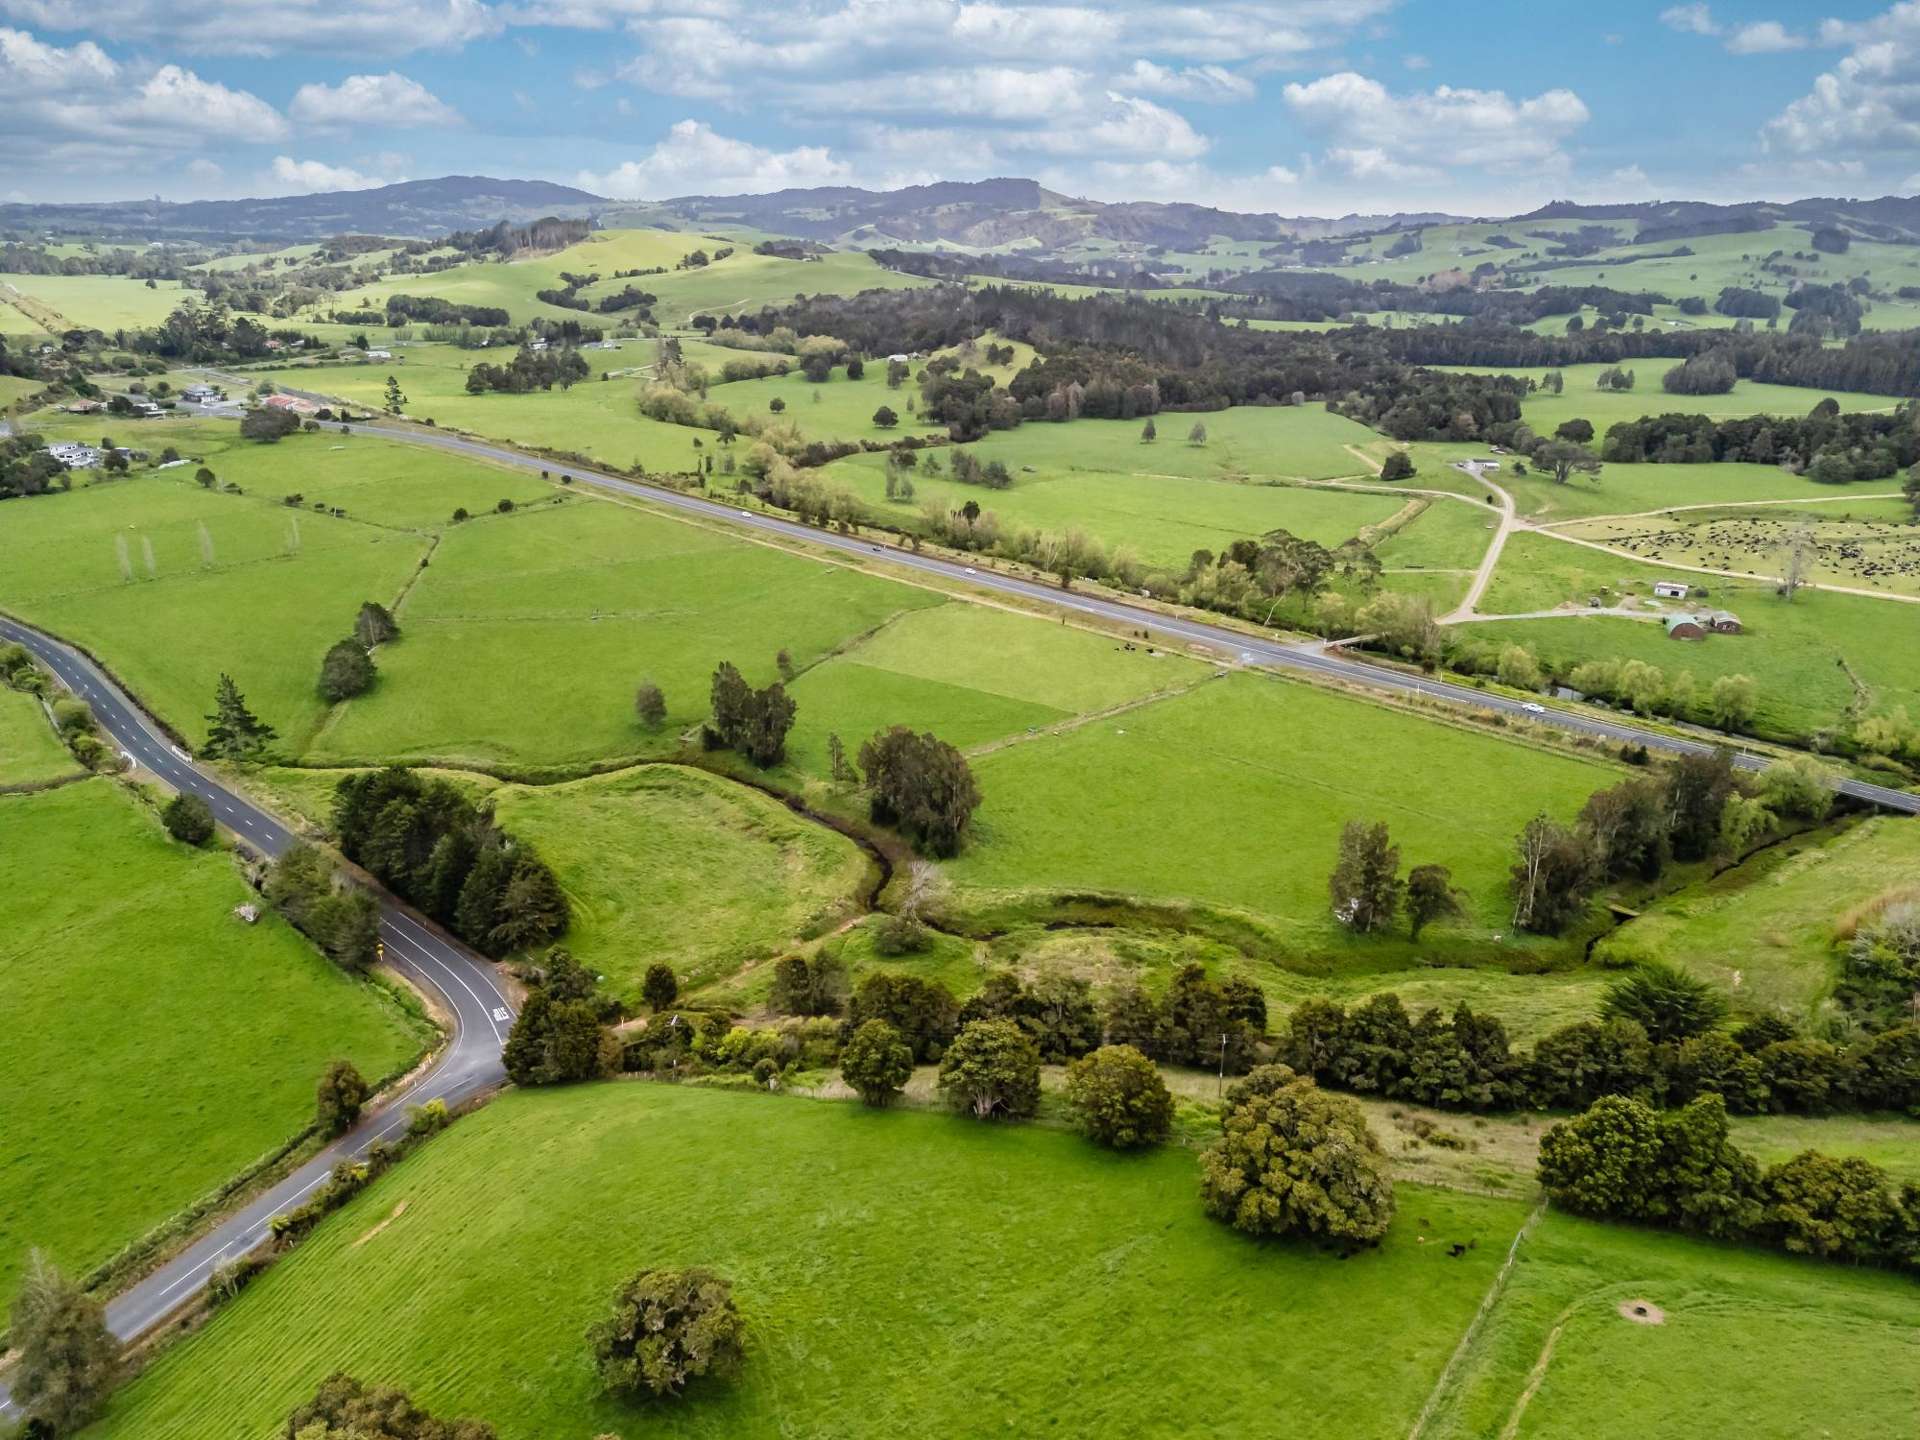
x=202 y=168
x=1690 y=20
x=1764 y=37
x=694 y=159
x=1281 y=175
x=1375 y=135
x=79 y=101
x=390 y=100
x=1417 y=62
x=305 y=177
x=250 y=27
x=1195 y=82
x=1868 y=101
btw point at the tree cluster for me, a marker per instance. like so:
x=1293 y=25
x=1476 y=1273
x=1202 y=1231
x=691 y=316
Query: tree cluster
x=921 y=784
x=345 y=1409
x=339 y=917
x=529 y=370
x=430 y=845
x=753 y=722
x=1826 y=446
x=1680 y=1170
x=560 y=1036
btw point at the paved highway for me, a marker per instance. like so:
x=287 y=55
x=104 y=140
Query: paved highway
x=464 y=986
x=1311 y=657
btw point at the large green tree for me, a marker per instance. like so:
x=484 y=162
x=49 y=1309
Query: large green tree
x=667 y=1328
x=1365 y=883
x=68 y=1360
x=922 y=784
x=1294 y=1160
x=233 y=731
x=876 y=1062
x=1118 y=1098
x=993 y=1071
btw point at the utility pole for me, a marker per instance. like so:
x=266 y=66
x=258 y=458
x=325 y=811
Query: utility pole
x=1220 y=1083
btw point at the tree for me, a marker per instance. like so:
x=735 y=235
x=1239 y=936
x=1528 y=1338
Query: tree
x=1134 y=1018
x=344 y=1409
x=396 y=402
x=1554 y=877
x=839 y=769
x=555 y=1042
x=342 y=1092
x=1148 y=434
x=667 y=1327
x=1198 y=434
x=884 y=418
x=375 y=625
x=924 y=1012
x=1398 y=466
x=1667 y=1003
x=1365 y=883
x=1800 y=554
x=347 y=670
x=268 y=424
x=1698 y=789
x=188 y=818
x=876 y=1062
x=1732 y=702
x=1118 y=1098
x=661 y=987
x=233 y=731
x=1430 y=897
x=68 y=1360
x=808 y=987
x=204 y=478
x=1562 y=458
x=532 y=909
x=1293 y=1160
x=753 y=722
x=1838 y=1208
x=1580 y=432
x=650 y=705
x=776 y=405
x=993 y=1070
x=923 y=785
x=1579 y=1063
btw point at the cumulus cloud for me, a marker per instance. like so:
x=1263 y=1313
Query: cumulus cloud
x=695 y=159
x=79 y=96
x=1764 y=37
x=1194 y=82
x=387 y=100
x=1690 y=20
x=248 y=27
x=1375 y=135
x=306 y=177
x=1868 y=101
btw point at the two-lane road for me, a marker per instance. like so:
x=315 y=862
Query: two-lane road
x=1229 y=644
x=464 y=986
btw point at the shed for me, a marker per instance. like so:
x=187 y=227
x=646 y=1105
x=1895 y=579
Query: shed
x=1685 y=627
x=1670 y=589
x=1722 y=622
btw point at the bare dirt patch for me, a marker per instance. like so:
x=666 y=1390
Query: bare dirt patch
x=1642 y=1312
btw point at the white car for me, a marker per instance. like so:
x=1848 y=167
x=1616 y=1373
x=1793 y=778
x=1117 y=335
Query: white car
x=972 y=571
x=1534 y=707
x=745 y=513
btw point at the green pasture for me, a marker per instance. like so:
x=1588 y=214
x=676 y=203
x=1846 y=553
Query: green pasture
x=1583 y=399
x=30 y=753
x=667 y=864
x=1557 y=1360
x=1012 y=1276
x=526 y=636
x=974 y=675
x=1765 y=931
x=1800 y=652
x=159 y=1045
x=14 y=388
x=1234 y=796
x=100 y=302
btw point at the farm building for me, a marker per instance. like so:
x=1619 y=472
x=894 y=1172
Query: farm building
x=1685 y=627
x=291 y=402
x=1670 y=589
x=1721 y=622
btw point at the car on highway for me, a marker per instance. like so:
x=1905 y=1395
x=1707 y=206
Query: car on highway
x=1534 y=707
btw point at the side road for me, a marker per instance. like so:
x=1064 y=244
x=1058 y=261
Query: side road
x=464 y=985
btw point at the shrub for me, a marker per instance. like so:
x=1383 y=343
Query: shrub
x=667 y=1327
x=1118 y=1098
x=346 y=671
x=993 y=1070
x=660 y=988
x=428 y=1119
x=899 y=935
x=188 y=818
x=344 y=1409
x=1294 y=1160
x=1667 y=1003
x=876 y=1063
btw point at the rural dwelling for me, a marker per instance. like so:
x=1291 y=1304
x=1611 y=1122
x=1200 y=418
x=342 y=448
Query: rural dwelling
x=74 y=455
x=1685 y=627
x=1670 y=589
x=293 y=403
x=200 y=394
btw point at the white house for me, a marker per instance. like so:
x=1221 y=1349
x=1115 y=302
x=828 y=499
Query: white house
x=74 y=455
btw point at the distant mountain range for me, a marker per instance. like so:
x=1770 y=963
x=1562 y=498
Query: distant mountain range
x=1012 y=216
x=413 y=208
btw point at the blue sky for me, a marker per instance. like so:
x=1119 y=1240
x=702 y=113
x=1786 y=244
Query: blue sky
x=1297 y=106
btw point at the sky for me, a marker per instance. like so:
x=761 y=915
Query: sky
x=1302 y=107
